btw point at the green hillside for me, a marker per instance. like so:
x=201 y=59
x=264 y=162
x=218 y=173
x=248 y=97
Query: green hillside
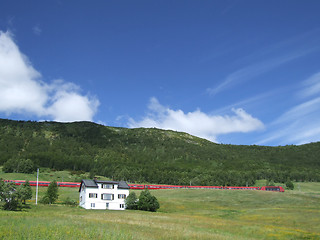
x=153 y=155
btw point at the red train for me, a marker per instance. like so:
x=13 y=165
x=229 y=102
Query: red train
x=265 y=188
x=272 y=188
x=45 y=183
x=154 y=187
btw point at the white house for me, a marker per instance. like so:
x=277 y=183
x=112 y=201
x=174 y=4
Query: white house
x=97 y=194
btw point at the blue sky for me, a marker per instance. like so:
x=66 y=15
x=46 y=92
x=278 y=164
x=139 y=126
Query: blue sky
x=233 y=72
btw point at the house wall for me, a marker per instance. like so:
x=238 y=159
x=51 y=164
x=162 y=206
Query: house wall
x=86 y=202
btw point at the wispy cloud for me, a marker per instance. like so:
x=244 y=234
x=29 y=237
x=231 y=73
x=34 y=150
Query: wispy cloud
x=300 y=111
x=37 y=30
x=197 y=123
x=311 y=86
x=300 y=123
x=273 y=57
x=252 y=71
x=22 y=90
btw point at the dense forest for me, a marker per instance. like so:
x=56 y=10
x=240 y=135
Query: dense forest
x=151 y=155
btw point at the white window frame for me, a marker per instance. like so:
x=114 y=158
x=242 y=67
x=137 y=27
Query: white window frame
x=107 y=186
x=93 y=195
x=104 y=196
x=122 y=196
x=122 y=205
x=93 y=205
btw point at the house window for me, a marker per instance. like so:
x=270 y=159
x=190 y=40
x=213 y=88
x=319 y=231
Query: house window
x=93 y=195
x=108 y=186
x=93 y=205
x=122 y=196
x=107 y=196
x=107 y=205
x=80 y=198
x=121 y=205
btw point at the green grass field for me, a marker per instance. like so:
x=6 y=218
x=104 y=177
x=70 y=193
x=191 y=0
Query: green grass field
x=184 y=214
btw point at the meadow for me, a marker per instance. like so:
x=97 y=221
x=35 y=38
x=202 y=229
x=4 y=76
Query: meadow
x=184 y=214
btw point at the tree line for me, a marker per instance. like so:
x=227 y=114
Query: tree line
x=12 y=196
x=150 y=155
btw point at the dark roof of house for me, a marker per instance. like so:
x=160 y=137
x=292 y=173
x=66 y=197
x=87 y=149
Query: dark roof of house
x=123 y=185
x=90 y=183
x=106 y=182
x=93 y=183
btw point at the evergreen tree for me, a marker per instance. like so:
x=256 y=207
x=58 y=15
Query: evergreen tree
x=25 y=192
x=52 y=193
x=132 y=201
x=148 y=202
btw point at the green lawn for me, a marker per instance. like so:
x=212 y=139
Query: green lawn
x=184 y=214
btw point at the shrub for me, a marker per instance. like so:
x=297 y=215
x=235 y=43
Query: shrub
x=289 y=185
x=10 y=195
x=132 y=201
x=70 y=202
x=148 y=202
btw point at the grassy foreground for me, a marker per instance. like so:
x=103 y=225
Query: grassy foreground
x=184 y=214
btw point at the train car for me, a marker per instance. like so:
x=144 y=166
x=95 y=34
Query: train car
x=40 y=183
x=68 y=184
x=137 y=186
x=16 y=182
x=45 y=183
x=204 y=187
x=272 y=188
x=164 y=186
x=241 y=188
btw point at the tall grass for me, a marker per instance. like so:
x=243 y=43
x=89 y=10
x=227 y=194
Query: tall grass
x=184 y=214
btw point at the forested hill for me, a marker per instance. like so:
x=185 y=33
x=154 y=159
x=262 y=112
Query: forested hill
x=153 y=155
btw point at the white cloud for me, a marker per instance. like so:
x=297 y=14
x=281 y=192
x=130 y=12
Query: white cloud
x=20 y=88
x=23 y=92
x=197 y=123
x=70 y=106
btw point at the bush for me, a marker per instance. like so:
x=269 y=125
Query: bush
x=44 y=200
x=132 y=201
x=10 y=195
x=69 y=202
x=289 y=185
x=148 y=202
